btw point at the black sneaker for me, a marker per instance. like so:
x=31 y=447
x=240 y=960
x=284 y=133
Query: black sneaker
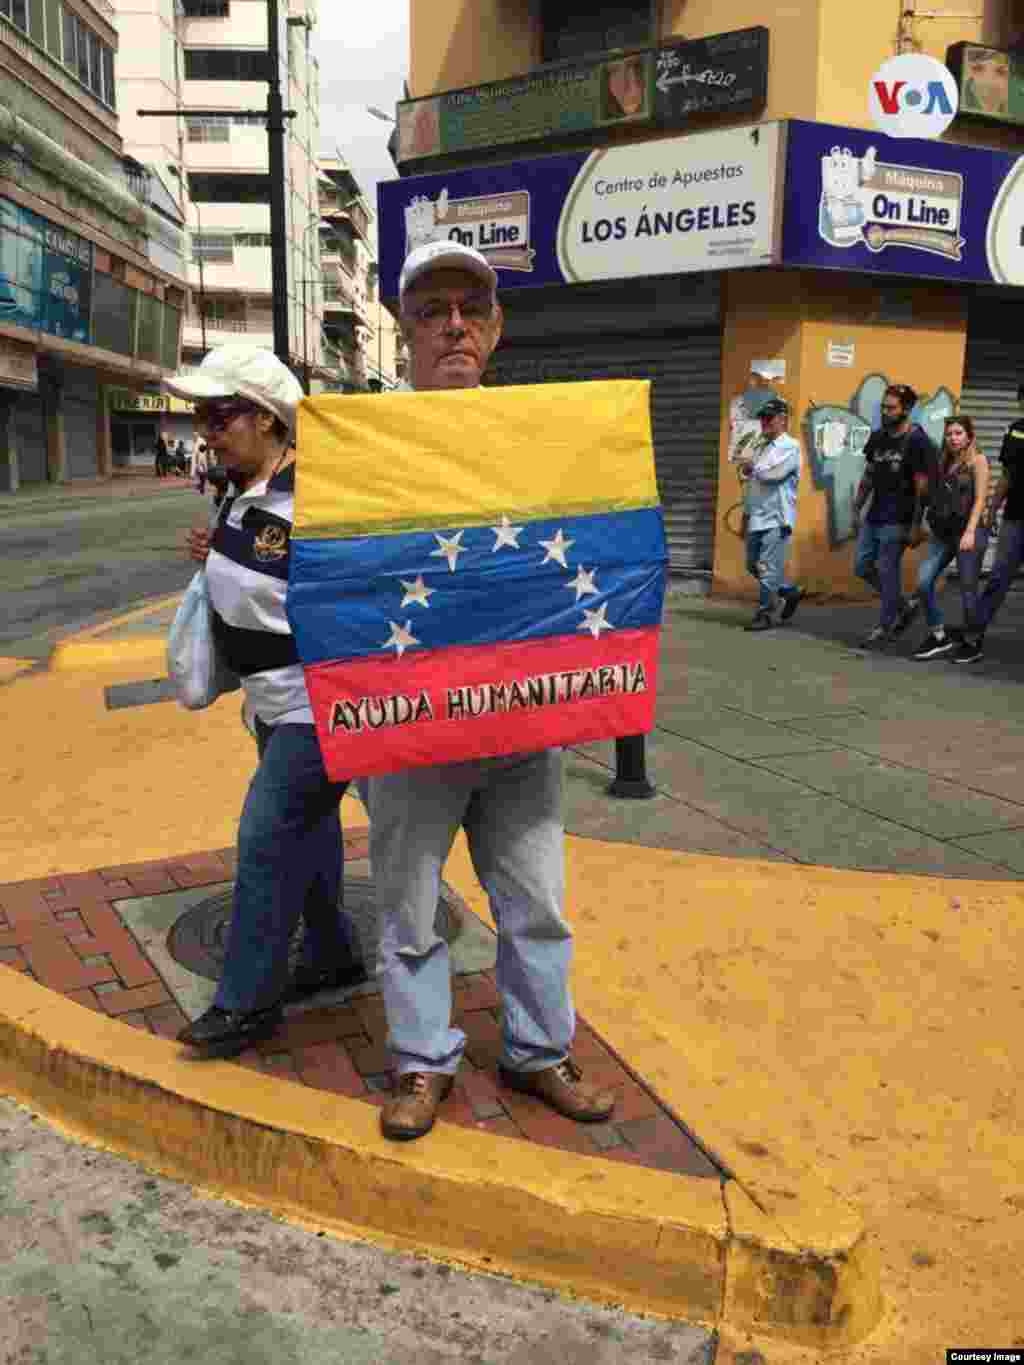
x=790 y=601
x=762 y=621
x=309 y=981
x=907 y=612
x=932 y=646
x=968 y=653
x=226 y=1033
x=876 y=638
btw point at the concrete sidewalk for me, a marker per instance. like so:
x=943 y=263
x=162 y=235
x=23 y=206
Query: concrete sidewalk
x=843 y=1041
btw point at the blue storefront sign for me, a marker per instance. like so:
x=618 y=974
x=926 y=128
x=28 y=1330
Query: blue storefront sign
x=672 y=206
x=856 y=200
x=853 y=200
x=45 y=274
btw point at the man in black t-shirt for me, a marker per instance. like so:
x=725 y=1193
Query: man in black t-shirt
x=898 y=460
x=1009 y=495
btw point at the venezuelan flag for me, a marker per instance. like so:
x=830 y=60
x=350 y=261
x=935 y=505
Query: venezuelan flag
x=476 y=572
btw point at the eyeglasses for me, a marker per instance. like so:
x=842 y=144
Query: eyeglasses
x=216 y=416
x=476 y=310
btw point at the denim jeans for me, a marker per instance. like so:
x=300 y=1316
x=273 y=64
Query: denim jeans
x=1009 y=553
x=766 y=561
x=877 y=561
x=511 y=810
x=939 y=556
x=290 y=861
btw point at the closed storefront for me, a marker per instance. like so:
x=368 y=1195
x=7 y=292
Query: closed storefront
x=28 y=425
x=80 y=396
x=993 y=369
x=666 y=332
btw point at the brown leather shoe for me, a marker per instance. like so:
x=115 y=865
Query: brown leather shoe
x=412 y=1109
x=560 y=1086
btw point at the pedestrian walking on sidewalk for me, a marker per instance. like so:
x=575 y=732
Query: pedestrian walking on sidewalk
x=200 y=465
x=1008 y=496
x=958 y=526
x=162 y=457
x=510 y=808
x=290 y=852
x=773 y=479
x=898 y=463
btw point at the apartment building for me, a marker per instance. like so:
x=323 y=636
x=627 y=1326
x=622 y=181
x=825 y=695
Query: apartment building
x=359 y=334
x=699 y=194
x=91 y=289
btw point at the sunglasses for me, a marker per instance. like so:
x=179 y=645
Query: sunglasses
x=216 y=416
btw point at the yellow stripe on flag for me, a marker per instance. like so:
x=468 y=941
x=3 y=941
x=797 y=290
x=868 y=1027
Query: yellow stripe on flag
x=376 y=464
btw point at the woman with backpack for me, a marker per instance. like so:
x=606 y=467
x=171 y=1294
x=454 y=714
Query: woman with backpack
x=958 y=525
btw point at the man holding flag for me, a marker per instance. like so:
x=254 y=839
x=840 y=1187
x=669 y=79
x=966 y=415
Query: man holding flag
x=510 y=807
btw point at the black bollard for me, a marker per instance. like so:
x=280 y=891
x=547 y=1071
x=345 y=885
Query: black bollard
x=631 y=770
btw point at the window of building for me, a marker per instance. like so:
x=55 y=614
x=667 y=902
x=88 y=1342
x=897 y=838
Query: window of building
x=228 y=187
x=35 y=21
x=208 y=128
x=95 y=66
x=213 y=246
x=578 y=28
x=17 y=12
x=109 y=89
x=82 y=51
x=53 y=27
x=226 y=64
x=206 y=9
x=252 y=239
x=70 y=41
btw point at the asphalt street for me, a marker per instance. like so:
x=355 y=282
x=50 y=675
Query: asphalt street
x=70 y=560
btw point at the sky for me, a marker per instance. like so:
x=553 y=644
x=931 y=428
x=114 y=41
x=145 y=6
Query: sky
x=363 y=50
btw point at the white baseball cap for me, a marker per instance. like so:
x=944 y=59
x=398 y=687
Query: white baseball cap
x=445 y=256
x=248 y=371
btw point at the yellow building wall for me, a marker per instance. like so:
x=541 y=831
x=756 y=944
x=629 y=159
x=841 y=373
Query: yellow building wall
x=453 y=43
x=792 y=316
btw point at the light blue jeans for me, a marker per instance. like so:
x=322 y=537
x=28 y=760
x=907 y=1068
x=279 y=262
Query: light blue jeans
x=511 y=810
x=939 y=556
x=877 y=560
x=1009 y=553
x=766 y=561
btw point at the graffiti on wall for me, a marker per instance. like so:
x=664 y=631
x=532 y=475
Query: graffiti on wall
x=835 y=437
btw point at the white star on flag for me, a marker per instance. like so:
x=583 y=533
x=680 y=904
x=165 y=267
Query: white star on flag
x=556 y=548
x=449 y=549
x=401 y=638
x=583 y=582
x=506 y=534
x=595 y=621
x=417 y=592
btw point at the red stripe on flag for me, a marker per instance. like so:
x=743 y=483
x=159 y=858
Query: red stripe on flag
x=445 y=706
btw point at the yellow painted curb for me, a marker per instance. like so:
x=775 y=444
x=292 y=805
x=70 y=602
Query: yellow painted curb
x=652 y=1241
x=88 y=649
x=148 y=650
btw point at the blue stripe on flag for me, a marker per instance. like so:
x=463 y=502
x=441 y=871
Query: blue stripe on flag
x=345 y=596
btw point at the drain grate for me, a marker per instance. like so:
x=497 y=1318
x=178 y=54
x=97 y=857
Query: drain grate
x=198 y=939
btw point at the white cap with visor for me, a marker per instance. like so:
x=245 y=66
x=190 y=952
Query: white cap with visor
x=246 y=372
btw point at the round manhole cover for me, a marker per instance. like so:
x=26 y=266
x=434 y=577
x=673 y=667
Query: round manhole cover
x=198 y=939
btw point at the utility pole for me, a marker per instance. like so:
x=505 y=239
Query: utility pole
x=275 y=160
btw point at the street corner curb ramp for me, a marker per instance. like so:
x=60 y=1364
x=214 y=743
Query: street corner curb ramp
x=682 y=1247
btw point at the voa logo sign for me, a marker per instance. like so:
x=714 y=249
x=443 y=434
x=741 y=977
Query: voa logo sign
x=913 y=96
